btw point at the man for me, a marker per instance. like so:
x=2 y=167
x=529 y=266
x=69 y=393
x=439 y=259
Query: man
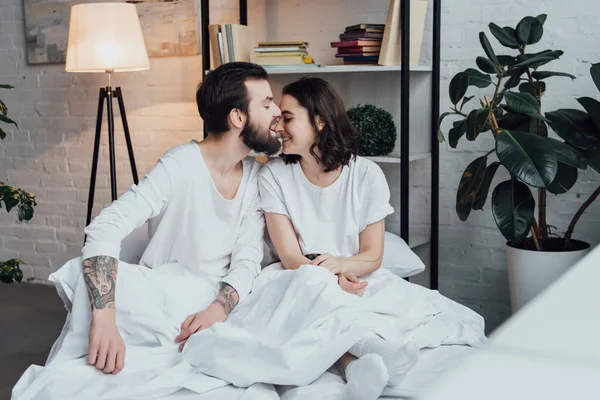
x=204 y=199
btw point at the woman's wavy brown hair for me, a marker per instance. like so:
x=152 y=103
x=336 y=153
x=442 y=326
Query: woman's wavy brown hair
x=338 y=140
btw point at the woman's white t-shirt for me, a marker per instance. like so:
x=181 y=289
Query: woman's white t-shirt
x=326 y=219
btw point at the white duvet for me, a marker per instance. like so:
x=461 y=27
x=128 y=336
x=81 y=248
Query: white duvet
x=289 y=331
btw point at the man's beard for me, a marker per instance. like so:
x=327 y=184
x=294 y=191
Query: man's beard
x=260 y=140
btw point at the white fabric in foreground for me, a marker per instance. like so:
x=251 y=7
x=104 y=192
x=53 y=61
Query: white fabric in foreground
x=296 y=324
x=289 y=331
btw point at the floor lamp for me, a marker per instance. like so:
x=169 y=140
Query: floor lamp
x=106 y=38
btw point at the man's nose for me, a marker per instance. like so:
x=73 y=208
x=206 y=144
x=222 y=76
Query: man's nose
x=279 y=125
x=276 y=111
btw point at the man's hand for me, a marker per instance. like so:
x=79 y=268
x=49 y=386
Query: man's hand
x=216 y=312
x=106 y=349
x=330 y=262
x=199 y=321
x=350 y=283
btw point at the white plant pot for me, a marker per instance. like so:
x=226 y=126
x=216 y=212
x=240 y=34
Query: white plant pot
x=530 y=272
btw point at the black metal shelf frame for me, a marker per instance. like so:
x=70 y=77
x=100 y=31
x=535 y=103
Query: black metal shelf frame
x=404 y=123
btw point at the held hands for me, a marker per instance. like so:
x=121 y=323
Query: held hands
x=199 y=321
x=330 y=262
x=106 y=348
x=347 y=280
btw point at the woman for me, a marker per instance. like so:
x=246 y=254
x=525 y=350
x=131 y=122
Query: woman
x=322 y=199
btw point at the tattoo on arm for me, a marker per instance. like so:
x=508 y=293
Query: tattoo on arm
x=227 y=297
x=100 y=275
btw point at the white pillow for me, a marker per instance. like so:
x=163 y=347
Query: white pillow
x=399 y=258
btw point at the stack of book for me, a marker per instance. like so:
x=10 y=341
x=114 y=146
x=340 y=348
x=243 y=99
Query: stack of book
x=283 y=54
x=360 y=44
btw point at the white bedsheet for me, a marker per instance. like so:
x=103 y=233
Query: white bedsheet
x=290 y=330
x=296 y=324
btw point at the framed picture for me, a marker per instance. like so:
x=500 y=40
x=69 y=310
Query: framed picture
x=169 y=28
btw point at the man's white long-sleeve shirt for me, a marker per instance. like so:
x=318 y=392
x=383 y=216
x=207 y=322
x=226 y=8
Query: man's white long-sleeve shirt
x=192 y=223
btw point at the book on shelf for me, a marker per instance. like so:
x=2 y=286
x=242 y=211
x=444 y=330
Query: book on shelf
x=228 y=43
x=361 y=54
x=359 y=49
x=359 y=35
x=287 y=52
x=392 y=37
x=374 y=27
x=273 y=49
x=357 y=43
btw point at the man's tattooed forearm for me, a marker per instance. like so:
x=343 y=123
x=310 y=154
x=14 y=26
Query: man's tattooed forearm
x=228 y=298
x=100 y=275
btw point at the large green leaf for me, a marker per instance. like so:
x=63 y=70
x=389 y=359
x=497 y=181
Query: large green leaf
x=486 y=65
x=513 y=121
x=484 y=188
x=526 y=87
x=507 y=61
x=25 y=212
x=523 y=103
x=529 y=30
x=547 y=74
x=465 y=100
x=537 y=60
x=4 y=118
x=529 y=157
x=513 y=207
x=575 y=127
x=458 y=130
x=542 y=18
x=6 y=87
x=566 y=176
x=458 y=87
x=10 y=202
x=469 y=187
x=487 y=47
x=514 y=80
x=595 y=71
x=440 y=134
x=504 y=36
x=568 y=154
x=593 y=158
x=478 y=79
x=592 y=106
x=476 y=121
x=2 y=134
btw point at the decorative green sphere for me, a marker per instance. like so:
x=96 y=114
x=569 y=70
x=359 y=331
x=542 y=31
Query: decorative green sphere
x=376 y=128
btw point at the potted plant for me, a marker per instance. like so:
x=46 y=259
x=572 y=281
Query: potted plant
x=513 y=115
x=13 y=198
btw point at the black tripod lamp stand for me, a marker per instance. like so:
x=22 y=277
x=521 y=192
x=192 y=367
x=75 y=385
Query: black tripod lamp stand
x=107 y=38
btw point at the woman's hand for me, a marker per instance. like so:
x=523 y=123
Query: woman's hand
x=330 y=262
x=350 y=283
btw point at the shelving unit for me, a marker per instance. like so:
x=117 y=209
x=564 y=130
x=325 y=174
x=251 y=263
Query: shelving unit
x=416 y=81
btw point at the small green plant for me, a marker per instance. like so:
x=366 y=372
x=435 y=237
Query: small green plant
x=514 y=117
x=23 y=201
x=376 y=129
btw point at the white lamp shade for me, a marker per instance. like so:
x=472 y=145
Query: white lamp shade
x=105 y=36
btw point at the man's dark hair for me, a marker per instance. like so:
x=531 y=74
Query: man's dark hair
x=338 y=140
x=223 y=90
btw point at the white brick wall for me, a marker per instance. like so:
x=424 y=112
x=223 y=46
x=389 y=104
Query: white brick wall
x=50 y=154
